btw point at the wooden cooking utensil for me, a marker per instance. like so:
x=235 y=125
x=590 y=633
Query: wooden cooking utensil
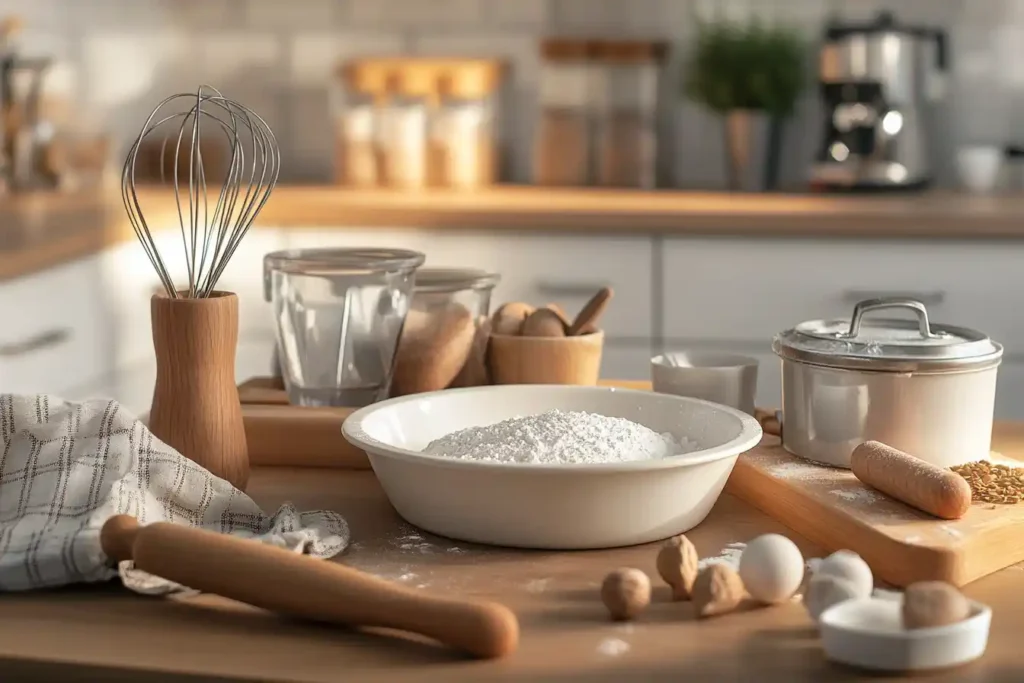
x=285 y=582
x=592 y=311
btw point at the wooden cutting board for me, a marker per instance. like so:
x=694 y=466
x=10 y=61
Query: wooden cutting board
x=826 y=505
x=283 y=435
x=832 y=508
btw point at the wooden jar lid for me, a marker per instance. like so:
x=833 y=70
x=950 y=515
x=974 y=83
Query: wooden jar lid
x=471 y=79
x=565 y=49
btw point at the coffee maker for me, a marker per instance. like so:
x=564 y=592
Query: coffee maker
x=877 y=81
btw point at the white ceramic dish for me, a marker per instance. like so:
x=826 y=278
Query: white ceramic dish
x=550 y=506
x=724 y=378
x=868 y=633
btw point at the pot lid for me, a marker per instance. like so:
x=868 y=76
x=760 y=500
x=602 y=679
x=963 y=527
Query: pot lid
x=887 y=344
x=883 y=22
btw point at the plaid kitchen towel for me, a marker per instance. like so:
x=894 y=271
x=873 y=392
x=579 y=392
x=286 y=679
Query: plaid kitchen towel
x=68 y=467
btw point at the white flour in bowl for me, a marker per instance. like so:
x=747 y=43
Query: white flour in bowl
x=559 y=437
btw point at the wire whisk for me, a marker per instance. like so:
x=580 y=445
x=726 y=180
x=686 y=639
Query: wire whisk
x=210 y=231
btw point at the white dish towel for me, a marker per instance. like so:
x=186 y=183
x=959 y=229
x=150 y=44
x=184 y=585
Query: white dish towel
x=68 y=467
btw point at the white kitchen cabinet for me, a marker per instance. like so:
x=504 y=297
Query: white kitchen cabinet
x=56 y=335
x=740 y=293
x=535 y=268
x=394 y=238
x=566 y=270
x=727 y=289
x=130 y=281
x=629 y=362
x=132 y=385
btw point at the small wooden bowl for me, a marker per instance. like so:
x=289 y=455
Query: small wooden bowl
x=546 y=360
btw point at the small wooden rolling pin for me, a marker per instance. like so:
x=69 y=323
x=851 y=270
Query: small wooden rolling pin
x=286 y=582
x=927 y=487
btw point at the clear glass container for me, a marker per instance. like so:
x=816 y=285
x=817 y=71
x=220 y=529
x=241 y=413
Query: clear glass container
x=439 y=288
x=562 y=145
x=444 y=297
x=468 y=130
x=627 y=139
x=412 y=89
x=339 y=314
x=356 y=120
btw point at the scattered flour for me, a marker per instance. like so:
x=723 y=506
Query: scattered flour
x=559 y=437
x=730 y=555
x=858 y=495
x=537 y=585
x=613 y=647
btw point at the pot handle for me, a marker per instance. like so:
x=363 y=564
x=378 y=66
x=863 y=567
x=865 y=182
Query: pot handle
x=864 y=307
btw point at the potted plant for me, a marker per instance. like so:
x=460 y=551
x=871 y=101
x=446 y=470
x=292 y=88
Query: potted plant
x=747 y=73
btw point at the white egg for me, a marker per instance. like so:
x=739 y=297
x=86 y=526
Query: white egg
x=846 y=564
x=771 y=568
x=824 y=590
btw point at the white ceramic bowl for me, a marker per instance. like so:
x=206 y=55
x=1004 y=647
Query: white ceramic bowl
x=550 y=506
x=868 y=633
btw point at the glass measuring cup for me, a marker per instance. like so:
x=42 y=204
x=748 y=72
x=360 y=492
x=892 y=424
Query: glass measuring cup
x=339 y=314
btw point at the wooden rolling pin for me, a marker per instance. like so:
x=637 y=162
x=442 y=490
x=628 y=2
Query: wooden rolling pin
x=927 y=487
x=286 y=582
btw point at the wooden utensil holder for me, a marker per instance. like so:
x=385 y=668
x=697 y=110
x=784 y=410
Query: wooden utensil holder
x=546 y=360
x=196 y=409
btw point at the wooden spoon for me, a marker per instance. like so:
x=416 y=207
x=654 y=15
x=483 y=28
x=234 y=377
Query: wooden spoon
x=297 y=585
x=592 y=311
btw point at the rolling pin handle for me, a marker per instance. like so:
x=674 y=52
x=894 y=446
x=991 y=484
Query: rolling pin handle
x=118 y=536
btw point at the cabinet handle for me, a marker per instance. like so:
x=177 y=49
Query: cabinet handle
x=855 y=296
x=36 y=343
x=569 y=289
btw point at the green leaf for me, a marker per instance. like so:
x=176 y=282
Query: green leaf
x=746 y=66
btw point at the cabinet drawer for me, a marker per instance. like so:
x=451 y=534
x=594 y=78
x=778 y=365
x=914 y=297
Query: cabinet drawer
x=626 y=362
x=57 y=330
x=558 y=269
x=753 y=289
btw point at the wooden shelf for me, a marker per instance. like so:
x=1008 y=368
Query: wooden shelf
x=933 y=215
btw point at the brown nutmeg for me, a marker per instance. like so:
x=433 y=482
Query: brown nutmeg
x=927 y=604
x=717 y=590
x=677 y=566
x=626 y=593
x=543 y=323
x=508 y=319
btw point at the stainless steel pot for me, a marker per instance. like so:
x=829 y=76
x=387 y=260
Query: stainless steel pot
x=923 y=388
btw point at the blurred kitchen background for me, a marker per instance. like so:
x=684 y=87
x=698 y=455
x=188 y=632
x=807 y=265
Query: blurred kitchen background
x=625 y=126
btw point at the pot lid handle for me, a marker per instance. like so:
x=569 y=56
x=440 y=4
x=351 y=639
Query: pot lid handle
x=869 y=305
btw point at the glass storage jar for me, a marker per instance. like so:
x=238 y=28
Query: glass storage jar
x=358 y=105
x=562 y=143
x=339 y=314
x=444 y=341
x=412 y=90
x=468 y=124
x=628 y=114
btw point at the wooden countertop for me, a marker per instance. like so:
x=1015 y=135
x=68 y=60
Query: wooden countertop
x=104 y=633
x=933 y=215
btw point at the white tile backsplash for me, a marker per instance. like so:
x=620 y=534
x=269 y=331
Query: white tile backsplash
x=517 y=13
x=280 y=54
x=412 y=14
x=230 y=57
x=275 y=14
x=315 y=54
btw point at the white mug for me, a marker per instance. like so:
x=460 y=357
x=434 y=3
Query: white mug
x=724 y=378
